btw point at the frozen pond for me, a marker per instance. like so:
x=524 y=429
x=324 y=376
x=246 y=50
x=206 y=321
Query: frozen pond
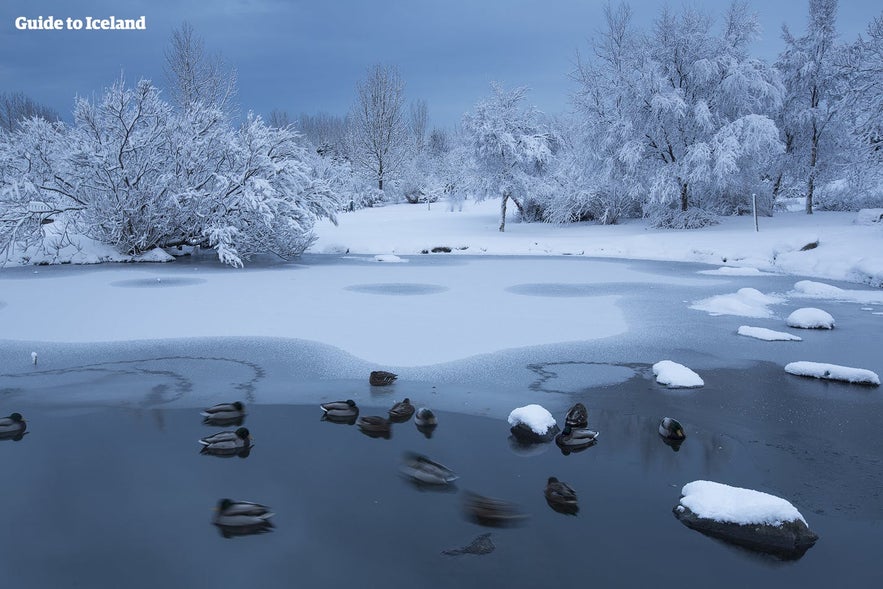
x=109 y=487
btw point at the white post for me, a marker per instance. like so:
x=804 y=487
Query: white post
x=754 y=206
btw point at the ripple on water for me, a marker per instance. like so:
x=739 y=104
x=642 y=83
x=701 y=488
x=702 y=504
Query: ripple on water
x=157 y=282
x=555 y=289
x=398 y=288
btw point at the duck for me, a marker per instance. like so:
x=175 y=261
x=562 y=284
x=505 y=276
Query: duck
x=380 y=378
x=12 y=426
x=401 y=411
x=425 y=417
x=422 y=470
x=576 y=437
x=489 y=511
x=375 y=426
x=224 y=414
x=560 y=496
x=343 y=411
x=242 y=517
x=577 y=416
x=671 y=429
x=227 y=443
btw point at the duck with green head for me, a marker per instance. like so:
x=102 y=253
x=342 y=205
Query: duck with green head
x=227 y=443
x=239 y=518
x=224 y=414
x=12 y=427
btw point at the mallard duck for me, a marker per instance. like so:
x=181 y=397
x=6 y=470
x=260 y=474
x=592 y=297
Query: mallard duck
x=560 y=496
x=224 y=414
x=12 y=427
x=375 y=426
x=577 y=416
x=423 y=470
x=488 y=511
x=242 y=517
x=424 y=417
x=380 y=378
x=401 y=411
x=227 y=443
x=671 y=429
x=341 y=411
x=576 y=437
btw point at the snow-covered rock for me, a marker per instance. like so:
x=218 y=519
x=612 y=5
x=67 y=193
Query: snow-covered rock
x=833 y=372
x=746 y=302
x=749 y=518
x=389 y=258
x=768 y=335
x=810 y=318
x=533 y=423
x=157 y=254
x=810 y=289
x=676 y=376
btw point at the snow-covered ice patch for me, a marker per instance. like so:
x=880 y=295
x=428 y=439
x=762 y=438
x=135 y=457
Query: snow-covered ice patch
x=389 y=258
x=810 y=318
x=536 y=417
x=676 y=376
x=746 y=302
x=723 y=503
x=768 y=335
x=819 y=290
x=833 y=372
x=869 y=217
x=733 y=271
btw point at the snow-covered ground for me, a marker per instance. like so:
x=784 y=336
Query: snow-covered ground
x=847 y=251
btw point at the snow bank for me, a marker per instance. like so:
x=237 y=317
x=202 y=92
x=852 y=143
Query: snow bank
x=869 y=217
x=154 y=255
x=833 y=372
x=389 y=258
x=746 y=302
x=767 y=334
x=733 y=271
x=676 y=376
x=723 y=503
x=536 y=417
x=810 y=318
x=819 y=290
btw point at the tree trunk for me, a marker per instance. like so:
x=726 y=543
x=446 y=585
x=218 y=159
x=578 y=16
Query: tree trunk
x=503 y=212
x=684 y=200
x=813 y=157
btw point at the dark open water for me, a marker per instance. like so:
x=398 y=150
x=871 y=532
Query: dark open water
x=121 y=497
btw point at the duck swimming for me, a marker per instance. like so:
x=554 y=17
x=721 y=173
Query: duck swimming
x=560 y=496
x=12 y=427
x=238 y=518
x=401 y=411
x=573 y=438
x=224 y=414
x=488 y=511
x=671 y=429
x=227 y=443
x=577 y=416
x=381 y=378
x=375 y=426
x=340 y=411
x=422 y=470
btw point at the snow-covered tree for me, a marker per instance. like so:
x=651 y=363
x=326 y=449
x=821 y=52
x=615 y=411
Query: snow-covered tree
x=379 y=130
x=17 y=106
x=816 y=91
x=680 y=114
x=134 y=173
x=194 y=76
x=507 y=147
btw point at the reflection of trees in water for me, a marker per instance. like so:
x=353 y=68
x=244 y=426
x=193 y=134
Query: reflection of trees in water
x=174 y=385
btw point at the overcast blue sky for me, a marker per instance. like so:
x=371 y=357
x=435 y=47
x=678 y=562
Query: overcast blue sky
x=306 y=56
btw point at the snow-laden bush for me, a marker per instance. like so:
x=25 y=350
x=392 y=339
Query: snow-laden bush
x=134 y=173
x=671 y=218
